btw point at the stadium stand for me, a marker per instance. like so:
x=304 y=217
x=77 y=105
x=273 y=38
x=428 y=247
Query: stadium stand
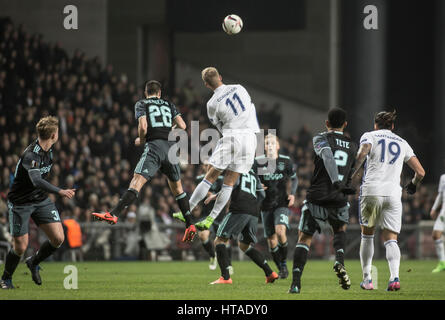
x=96 y=153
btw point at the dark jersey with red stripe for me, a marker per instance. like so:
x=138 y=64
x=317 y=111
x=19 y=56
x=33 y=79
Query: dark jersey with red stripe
x=22 y=190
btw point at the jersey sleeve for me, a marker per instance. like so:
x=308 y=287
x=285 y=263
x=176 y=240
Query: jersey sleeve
x=409 y=153
x=174 y=111
x=31 y=161
x=367 y=138
x=291 y=169
x=442 y=183
x=320 y=142
x=245 y=97
x=213 y=116
x=139 y=110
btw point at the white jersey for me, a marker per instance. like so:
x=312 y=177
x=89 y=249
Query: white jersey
x=384 y=163
x=231 y=109
x=440 y=200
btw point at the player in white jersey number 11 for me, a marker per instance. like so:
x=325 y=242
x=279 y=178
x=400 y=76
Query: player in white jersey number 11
x=380 y=193
x=231 y=110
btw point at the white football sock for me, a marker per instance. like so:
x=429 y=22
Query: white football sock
x=366 y=254
x=221 y=200
x=200 y=192
x=440 y=249
x=393 y=257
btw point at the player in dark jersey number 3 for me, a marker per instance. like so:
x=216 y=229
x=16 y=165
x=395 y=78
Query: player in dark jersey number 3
x=326 y=199
x=156 y=117
x=28 y=198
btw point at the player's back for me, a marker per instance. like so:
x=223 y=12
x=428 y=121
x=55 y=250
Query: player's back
x=321 y=191
x=244 y=198
x=231 y=108
x=160 y=114
x=384 y=163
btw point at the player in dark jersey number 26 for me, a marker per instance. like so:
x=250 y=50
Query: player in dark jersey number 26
x=28 y=198
x=326 y=199
x=156 y=117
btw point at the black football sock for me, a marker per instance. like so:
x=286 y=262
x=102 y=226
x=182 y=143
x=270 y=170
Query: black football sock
x=275 y=252
x=223 y=260
x=339 y=245
x=283 y=251
x=11 y=263
x=184 y=206
x=46 y=249
x=229 y=253
x=259 y=260
x=127 y=198
x=208 y=247
x=300 y=258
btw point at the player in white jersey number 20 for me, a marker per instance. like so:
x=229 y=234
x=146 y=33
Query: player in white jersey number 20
x=439 y=225
x=383 y=154
x=231 y=110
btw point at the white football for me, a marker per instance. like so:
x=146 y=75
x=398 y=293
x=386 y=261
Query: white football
x=232 y=24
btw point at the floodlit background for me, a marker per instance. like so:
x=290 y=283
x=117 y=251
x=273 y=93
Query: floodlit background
x=297 y=59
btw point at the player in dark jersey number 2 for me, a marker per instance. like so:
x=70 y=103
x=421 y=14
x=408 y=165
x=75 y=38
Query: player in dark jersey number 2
x=156 y=117
x=28 y=198
x=326 y=199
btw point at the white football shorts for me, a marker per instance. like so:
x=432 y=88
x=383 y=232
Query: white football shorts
x=235 y=152
x=385 y=212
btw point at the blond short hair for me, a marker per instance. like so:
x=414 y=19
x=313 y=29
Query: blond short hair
x=210 y=76
x=46 y=127
x=272 y=136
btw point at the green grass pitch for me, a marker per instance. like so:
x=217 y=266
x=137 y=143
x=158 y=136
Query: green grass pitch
x=190 y=281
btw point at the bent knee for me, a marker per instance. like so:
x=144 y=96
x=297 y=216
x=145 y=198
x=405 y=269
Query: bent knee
x=219 y=240
x=57 y=241
x=20 y=248
x=437 y=235
x=280 y=230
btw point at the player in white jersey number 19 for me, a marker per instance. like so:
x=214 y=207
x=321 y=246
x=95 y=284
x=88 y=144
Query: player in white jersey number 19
x=438 y=214
x=231 y=110
x=380 y=193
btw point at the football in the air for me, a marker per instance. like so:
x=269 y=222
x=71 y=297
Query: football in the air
x=232 y=24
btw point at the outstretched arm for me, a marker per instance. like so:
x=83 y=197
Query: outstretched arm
x=419 y=174
x=39 y=182
x=437 y=204
x=330 y=164
x=179 y=122
x=142 y=131
x=324 y=151
x=31 y=163
x=362 y=153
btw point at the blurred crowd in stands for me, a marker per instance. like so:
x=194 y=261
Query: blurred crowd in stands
x=96 y=153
